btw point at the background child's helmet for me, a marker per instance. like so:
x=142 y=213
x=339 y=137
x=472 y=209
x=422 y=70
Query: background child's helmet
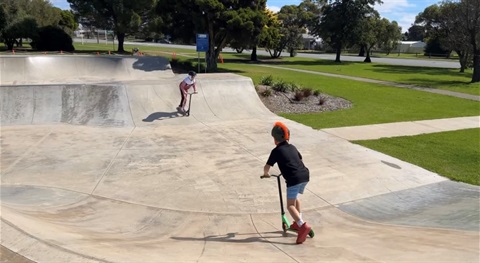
x=280 y=132
x=192 y=73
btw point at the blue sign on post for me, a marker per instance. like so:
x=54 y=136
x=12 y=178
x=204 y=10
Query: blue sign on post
x=202 y=42
x=202 y=46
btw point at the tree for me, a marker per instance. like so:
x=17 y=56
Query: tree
x=3 y=18
x=44 y=12
x=123 y=16
x=27 y=16
x=415 y=33
x=453 y=38
x=223 y=20
x=292 y=28
x=469 y=10
x=52 y=38
x=369 y=30
x=311 y=10
x=270 y=38
x=21 y=28
x=388 y=39
x=67 y=21
x=284 y=30
x=455 y=25
x=433 y=22
x=340 y=20
x=249 y=35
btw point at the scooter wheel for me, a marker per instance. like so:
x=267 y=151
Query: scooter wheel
x=311 y=233
x=284 y=227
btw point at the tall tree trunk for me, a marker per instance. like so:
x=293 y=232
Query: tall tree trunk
x=339 y=51
x=9 y=42
x=463 y=59
x=362 y=51
x=253 y=56
x=211 y=55
x=211 y=60
x=292 y=53
x=121 y=39
x=476 y=67
x=368 y=59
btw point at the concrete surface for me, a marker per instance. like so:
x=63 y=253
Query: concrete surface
x=376 y=131
x=109 y=172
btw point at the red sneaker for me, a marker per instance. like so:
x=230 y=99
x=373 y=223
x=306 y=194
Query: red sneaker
x=294 y=226
x=302 y=233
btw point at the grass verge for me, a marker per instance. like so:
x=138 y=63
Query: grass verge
x=454 y=154
x=372 y=103
x=436 y=78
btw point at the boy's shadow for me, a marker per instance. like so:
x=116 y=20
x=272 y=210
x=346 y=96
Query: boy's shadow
x=158 y=116
x=233 y=238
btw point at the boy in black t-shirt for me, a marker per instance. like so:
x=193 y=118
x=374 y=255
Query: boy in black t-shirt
x=294 y=172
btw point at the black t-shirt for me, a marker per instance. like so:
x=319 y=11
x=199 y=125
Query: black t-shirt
x=290 y=163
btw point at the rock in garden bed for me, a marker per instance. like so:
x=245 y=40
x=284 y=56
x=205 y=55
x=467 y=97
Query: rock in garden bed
x=287 y=102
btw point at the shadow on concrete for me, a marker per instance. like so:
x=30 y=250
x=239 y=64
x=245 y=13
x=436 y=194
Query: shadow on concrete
x=158 y=116
x=150 y=64
x=233 y=238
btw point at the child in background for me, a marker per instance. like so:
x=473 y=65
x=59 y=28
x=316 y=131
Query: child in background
x=184 y=86
x=294 y=172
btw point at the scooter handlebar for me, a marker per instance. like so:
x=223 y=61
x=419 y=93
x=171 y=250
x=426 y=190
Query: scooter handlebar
x=268 y=176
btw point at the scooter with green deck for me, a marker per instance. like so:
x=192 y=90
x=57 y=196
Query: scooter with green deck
x=285 y=222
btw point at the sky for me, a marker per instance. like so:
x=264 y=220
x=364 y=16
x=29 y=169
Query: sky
x=402 y=11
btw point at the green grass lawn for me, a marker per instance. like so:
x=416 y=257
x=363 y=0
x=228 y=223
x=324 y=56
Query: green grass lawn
x=437 y=78
x=454 y=154
x=372 y=103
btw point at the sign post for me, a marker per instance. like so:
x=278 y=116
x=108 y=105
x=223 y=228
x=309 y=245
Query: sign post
x=202 y=46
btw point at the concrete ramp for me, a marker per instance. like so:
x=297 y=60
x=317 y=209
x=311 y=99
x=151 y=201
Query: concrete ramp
x=100 y=105
x=44 y=69
x=220 y=97
x=108 y=171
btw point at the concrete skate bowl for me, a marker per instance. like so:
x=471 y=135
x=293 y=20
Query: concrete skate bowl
x=19 y=70
x=106 y=170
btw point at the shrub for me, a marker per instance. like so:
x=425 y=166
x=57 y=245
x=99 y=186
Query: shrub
x=267 y=81
x=51 y=38
x=316 y=93
x=322 y=100
x=266 y=93
x=299 y=95
x=295 y=87
x=307 y=92
x=281 y=86
x=183 y=66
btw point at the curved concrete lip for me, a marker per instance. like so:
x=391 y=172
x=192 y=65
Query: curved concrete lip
x=130 y=180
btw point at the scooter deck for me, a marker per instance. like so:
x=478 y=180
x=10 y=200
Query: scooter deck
x=286 y=227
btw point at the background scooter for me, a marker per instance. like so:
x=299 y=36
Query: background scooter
x=285 y=222
x=187 y=112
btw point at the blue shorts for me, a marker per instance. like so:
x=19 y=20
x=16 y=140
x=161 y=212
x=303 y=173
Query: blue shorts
x=293 y=191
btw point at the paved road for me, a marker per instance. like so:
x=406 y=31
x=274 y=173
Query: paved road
x=391 y=61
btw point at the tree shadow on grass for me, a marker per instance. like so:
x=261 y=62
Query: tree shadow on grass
x=408 y=70
x=316 y=62
x=434 y=84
